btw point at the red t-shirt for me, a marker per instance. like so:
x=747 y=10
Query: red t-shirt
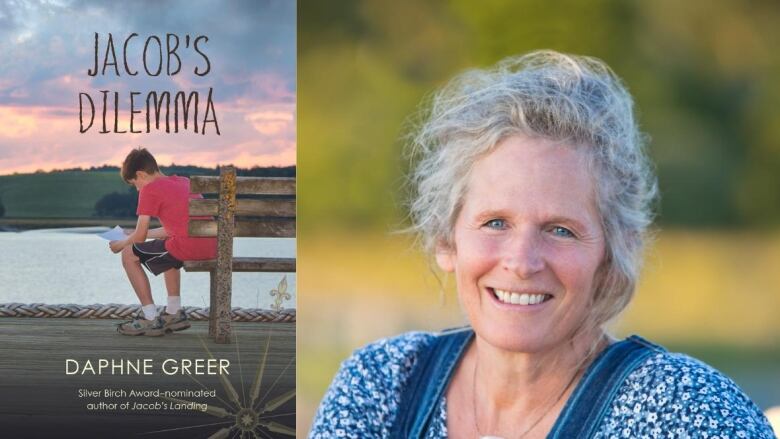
x=167 y=198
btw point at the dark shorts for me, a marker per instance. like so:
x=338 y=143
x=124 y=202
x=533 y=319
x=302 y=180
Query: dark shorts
x=155 y=257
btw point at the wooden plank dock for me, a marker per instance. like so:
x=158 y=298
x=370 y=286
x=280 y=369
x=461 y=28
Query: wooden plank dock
x=52 y=383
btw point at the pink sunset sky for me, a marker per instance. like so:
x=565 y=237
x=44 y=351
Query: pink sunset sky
x=47 y=49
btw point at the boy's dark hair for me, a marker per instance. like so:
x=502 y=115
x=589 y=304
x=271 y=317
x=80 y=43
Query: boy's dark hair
x=139 y=159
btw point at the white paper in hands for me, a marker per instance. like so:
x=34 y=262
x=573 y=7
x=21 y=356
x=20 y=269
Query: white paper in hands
x=114 y=234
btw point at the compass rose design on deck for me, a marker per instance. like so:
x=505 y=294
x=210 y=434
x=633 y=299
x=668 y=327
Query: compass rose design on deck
x=246 y=417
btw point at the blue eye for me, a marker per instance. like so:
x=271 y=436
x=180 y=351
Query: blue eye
x=497 y=224
x=562 y=232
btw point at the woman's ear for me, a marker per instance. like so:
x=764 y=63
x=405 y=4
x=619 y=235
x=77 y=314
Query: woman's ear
x=445 y=256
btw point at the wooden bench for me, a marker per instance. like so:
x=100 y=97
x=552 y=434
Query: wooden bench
x=254 y=217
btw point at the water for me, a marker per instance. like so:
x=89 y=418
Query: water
x=75 y=266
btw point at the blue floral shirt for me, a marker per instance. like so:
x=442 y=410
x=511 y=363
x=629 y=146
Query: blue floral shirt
x=668 y=396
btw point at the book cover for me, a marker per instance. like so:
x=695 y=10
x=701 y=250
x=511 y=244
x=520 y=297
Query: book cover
x=209 y=90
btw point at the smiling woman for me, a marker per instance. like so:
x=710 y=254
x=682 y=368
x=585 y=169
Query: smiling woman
x=532 y=188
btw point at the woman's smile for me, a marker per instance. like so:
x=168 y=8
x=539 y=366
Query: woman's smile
x=519 y=298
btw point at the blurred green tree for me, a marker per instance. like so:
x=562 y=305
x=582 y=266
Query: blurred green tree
x=703 y=78
x=117 y=204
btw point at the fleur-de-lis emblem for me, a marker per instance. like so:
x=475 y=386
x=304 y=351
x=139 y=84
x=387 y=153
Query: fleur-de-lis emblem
x=281 y=294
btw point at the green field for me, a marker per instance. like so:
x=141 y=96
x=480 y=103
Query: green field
x=72 y=194
x=68 y=194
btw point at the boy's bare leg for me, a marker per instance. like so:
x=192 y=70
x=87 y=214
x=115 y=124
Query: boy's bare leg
x=136 y=275
x=175 y=318
x=173 y=285
x=173 y=281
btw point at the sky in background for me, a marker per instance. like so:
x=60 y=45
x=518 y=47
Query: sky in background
x=46 y=48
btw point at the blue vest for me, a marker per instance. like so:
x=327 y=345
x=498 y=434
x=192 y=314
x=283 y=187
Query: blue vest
x=581 y=415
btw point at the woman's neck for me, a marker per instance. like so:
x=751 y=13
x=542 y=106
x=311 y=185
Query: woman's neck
x=532 y=385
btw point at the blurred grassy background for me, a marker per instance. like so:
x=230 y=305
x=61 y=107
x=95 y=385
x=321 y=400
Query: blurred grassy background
x=705 y=81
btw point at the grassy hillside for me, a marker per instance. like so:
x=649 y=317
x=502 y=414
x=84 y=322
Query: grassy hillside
x=73 y=193
x=68 y=194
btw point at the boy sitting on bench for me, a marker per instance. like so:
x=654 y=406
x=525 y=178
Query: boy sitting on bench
x=166 y=198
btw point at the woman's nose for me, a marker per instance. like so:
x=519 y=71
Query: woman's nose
x=522 y=254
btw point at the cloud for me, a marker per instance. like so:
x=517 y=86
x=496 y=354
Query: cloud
x=270 y=122
x=20 y=123
x=251 y=48
x=48 y=39
x=48 y=137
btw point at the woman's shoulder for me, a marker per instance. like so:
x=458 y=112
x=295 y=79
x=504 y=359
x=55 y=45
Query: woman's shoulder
x=673 y=392
x=363 y=398
x=399 y=351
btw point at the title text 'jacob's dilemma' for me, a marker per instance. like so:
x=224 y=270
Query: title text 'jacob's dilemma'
x=157 y=105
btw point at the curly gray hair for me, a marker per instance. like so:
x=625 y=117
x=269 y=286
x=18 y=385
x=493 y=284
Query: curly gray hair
x=573 y=99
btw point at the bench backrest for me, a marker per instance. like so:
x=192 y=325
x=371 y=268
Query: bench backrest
x=270 y=218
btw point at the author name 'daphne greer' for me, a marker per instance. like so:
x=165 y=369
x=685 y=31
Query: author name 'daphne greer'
x=146 y=366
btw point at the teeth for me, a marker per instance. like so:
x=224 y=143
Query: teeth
x=519 y=299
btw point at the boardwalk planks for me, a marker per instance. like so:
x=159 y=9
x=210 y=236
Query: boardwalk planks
x=39 y=398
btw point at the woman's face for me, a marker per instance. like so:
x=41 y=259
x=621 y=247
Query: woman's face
x=527 y=245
